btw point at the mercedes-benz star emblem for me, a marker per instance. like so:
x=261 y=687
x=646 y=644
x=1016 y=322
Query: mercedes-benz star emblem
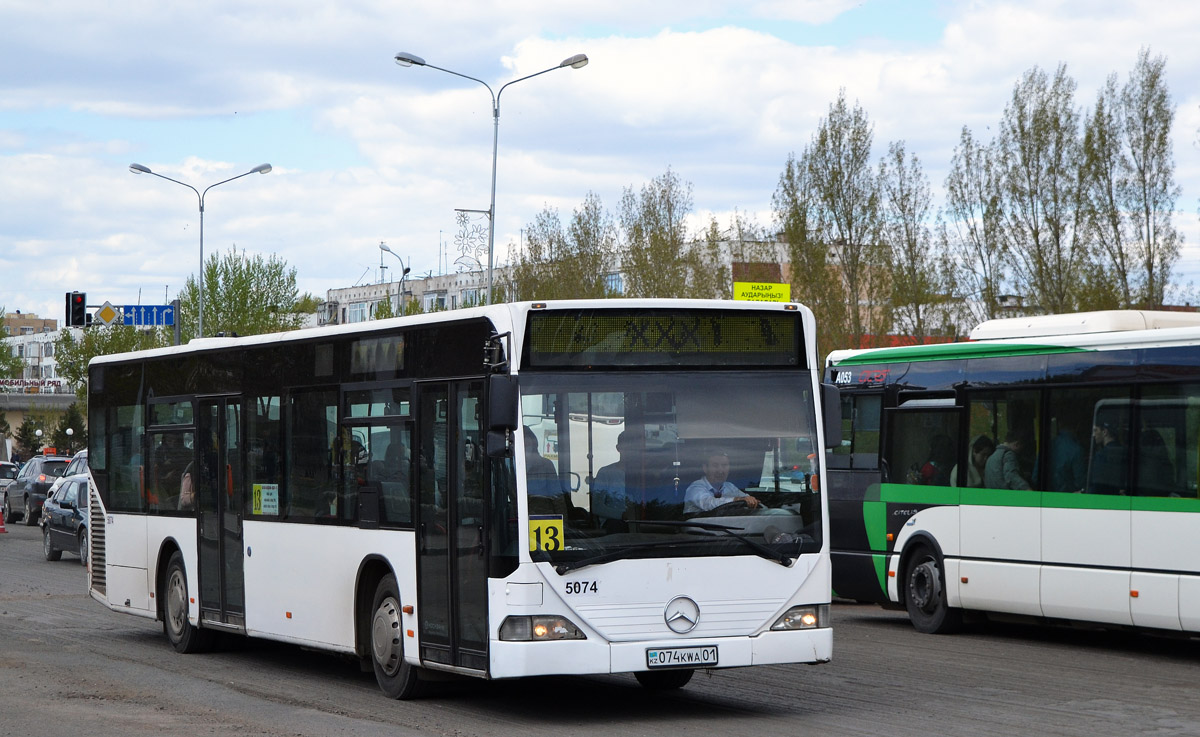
x=682 y=614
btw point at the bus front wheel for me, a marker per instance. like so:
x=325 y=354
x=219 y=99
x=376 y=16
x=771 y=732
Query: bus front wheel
x=397 y=678
x=925 y=594
x=184 y=637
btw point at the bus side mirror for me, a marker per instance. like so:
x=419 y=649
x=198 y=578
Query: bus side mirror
x=503 y=402
x=498 y=443
x=831 y=410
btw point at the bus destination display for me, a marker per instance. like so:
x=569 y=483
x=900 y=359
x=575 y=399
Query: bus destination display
x=650 y=338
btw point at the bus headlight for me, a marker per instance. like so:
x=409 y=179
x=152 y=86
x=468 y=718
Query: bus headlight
x=539 y=628
x=803 y=618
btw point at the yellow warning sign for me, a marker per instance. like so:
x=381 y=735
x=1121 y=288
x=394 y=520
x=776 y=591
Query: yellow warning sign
x=762 y=292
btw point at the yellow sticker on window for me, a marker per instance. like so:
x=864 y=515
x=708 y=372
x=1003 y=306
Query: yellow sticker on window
x=545 y=532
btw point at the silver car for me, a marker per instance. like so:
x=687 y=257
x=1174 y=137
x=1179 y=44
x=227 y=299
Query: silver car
x=8 y=474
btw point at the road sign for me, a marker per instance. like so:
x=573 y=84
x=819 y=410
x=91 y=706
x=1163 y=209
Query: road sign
x=148 y=314
x=760 y=292
x=107 y=314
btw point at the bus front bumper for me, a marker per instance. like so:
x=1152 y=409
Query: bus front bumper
x=582 y=657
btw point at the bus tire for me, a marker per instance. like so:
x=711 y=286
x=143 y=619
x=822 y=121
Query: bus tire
x=182 y=635
x=664 y=680
x=397 y=678
x=925 y=594
x=48 y=545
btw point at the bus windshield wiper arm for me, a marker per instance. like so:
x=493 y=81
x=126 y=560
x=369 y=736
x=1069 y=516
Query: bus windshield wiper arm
x=762 y=550
x=614 y=554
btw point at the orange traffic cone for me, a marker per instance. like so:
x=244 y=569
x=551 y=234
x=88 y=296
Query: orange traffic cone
x=2 y=524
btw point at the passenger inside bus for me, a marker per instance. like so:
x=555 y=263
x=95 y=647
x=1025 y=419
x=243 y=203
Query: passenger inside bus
x=714 y=489
x=981 y=449
x=1003 y=469
x=1110 y=460
x=936 y=471
x=608 y=487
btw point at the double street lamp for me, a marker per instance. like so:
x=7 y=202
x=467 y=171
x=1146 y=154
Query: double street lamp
x=403 y=276
x=260 y=169
x=577 y=61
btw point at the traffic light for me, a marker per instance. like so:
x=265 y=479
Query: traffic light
x=77 y=309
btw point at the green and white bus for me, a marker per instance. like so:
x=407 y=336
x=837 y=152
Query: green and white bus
x=425 y=493
x=1047 y=468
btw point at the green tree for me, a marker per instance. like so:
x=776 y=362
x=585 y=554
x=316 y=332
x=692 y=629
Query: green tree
x=27 y=439
x=243 y=294
x=73 y=354
x=307 y=304
x=383 y=309
x=71 y=419
x=970 y=229
x=847 y=213
x=815 y=280
x=659 y=258
x=1039 y=155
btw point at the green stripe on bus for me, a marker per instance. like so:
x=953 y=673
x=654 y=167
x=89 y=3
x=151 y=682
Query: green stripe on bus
x=950 y=496
x=946 y=351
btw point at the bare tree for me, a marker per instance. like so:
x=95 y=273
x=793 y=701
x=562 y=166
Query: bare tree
x=920 y=274
x=1152 y=191
x=847 y=212
x=971 y=227
x=815 y=279
x=1039 y=157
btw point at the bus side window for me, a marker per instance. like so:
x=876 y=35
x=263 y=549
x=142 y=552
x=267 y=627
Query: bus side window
x=860 y=433
x=1167 y=442
x=922 y=446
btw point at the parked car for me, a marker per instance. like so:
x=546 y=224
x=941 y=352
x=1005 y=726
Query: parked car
x=64 y=519
x=8 y=474
x=24 y=497
x=78 y=464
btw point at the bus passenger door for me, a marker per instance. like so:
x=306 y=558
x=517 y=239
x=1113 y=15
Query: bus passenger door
x=452 y=572
x=220 y=497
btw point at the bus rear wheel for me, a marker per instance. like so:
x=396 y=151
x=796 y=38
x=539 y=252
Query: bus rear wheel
x=183 y=636
x=397 y=678
x=664 y=680
x=925 y=594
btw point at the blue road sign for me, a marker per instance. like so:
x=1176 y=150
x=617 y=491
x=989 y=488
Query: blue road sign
x=148 y=314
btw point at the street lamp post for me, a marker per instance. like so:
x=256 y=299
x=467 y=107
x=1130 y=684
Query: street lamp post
x=577 y=61
x=260 y=169
x=403 y=275
x=70 y=432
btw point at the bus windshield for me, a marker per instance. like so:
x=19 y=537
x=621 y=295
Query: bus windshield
x=670 y=464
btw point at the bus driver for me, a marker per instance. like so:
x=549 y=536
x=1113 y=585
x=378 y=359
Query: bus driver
x=714 y=489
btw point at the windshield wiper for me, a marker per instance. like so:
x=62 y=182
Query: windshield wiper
x=615 y=554
x=765 y=552
x=611 y=555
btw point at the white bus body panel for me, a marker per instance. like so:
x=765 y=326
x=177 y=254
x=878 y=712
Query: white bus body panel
x=991 y=538
x=1166 y=541
x=1097 y=539
x=125 y=556
x=300 y=580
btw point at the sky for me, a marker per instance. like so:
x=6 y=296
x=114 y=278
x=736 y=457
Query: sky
x=365 y=152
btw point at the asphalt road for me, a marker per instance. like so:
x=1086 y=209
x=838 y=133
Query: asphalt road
x=68 y=666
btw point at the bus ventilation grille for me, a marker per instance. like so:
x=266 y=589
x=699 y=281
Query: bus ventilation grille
x=98 y=566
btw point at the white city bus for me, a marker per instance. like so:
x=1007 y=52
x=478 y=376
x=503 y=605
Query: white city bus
x=1049 y=468
x=436 y=493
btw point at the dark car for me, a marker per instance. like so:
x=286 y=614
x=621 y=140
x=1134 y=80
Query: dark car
x=24 y=497
x=64 y=519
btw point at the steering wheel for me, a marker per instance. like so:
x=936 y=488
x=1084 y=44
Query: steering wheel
x=734 y=507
